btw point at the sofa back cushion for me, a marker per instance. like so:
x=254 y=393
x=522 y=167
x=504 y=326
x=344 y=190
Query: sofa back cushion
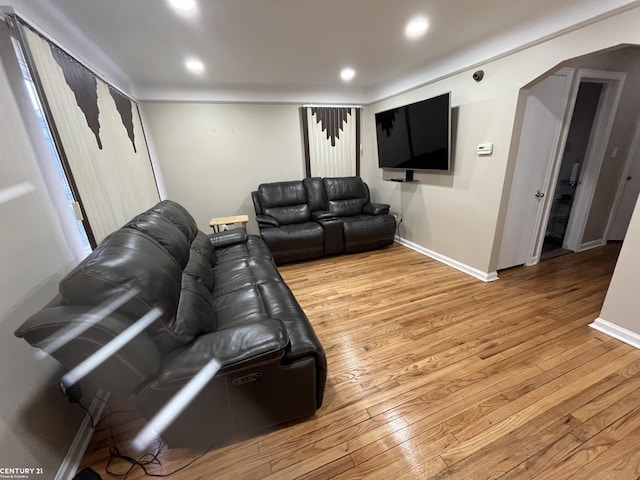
x=316 y=193
x=171 y=225
x=177 y=215
x=130 y=261
x=346 y=195
x=285 y=201
x=161 y=255
x=167 y=234
x=195 y=314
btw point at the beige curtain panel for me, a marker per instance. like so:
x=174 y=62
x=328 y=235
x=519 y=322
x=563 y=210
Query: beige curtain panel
x=332 y=141
x=101 y=136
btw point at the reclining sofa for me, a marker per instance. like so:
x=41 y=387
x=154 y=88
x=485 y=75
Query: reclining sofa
x=221 y=297
x=314 y=217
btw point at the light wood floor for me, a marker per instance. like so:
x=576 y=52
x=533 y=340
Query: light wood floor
x=433 y=374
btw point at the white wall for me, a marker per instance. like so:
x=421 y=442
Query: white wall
x=212 y=156
x=622 y=303
x=451 y=214
x=461 y=215
x=37 y=424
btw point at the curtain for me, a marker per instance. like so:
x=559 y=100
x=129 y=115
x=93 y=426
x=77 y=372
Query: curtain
x=99 y=134
x=331 y=141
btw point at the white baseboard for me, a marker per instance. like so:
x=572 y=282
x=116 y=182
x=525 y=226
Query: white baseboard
x=592 y=244
x=615 y=331
x=72 y=459
x=474 y=272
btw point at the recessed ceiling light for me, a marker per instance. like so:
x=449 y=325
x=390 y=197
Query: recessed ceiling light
x=194 y=65
x=347 y=74
x=416 y=27
x=184 y=5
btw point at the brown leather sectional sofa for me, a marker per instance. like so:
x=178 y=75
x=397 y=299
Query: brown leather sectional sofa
x=220 y=296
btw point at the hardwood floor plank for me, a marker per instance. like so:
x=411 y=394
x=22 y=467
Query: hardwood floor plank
x=367 y=431
x=607 y=417
x=607 y=399
x=549 y=455
x=547 y=393
x=436 y=404
x=310 y=431
x=499 y=457
x=620 y=462
x=311 y=460
x=504 y=453
x=400 y=459
x=539 y=402
x=330 y=470
x=580 y=358
x=593 y=448
x=426 y=470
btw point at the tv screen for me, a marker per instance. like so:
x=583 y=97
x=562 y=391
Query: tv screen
x=416 y=136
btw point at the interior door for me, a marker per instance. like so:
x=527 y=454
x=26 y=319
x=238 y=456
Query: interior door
x=544 y=112
x=627 y=201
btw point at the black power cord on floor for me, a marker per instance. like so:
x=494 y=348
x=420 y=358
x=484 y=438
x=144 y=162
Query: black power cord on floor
x=95 y=424
x=114 y=453
x=144 y=460
x=143 y=463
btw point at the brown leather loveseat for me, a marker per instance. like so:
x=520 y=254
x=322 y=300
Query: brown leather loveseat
x=314 y=217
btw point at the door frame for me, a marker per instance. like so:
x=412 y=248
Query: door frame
x=612 y=82
x=631 y=157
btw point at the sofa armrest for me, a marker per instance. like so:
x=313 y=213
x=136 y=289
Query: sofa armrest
x=234 y=347
x=267 y=221
x=322 y=215
x=228 y=237
x=375 y=208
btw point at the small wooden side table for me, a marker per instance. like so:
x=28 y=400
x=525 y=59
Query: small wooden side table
x=217 y=222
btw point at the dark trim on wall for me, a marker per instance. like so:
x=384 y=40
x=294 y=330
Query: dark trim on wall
x=357 y=142
x=305 y=141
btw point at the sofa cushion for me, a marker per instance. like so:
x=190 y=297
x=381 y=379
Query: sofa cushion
x=200 y=270
x=285 y=201
x=178 y=215
x=366 y=232
x=290 y=243
x=126 y=261
x=253 y=247
x=346 y=195
x=239 y=306
x=204 y=247
x=161 y=254
x=165 y=232
x=316 y=193
x=195 y=314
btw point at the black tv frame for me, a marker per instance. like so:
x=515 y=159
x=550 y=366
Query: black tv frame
x=410 y=167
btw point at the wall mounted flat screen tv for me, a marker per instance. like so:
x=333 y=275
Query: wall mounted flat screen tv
x=416 y=136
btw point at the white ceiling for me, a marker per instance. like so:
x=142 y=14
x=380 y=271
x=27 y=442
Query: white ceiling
x=279 y=49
